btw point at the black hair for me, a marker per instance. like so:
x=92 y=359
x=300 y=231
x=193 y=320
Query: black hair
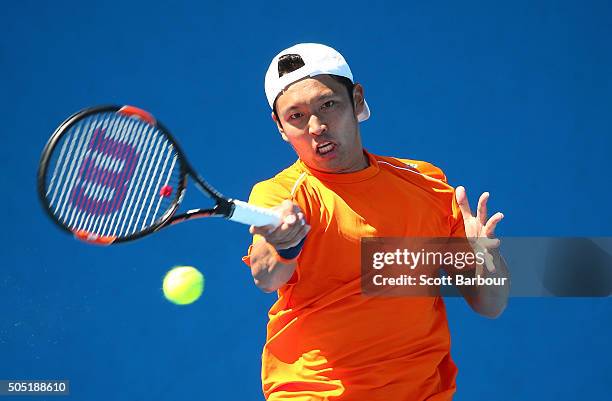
x=290 y=62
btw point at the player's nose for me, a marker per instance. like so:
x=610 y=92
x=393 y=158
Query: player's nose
x=316 y=126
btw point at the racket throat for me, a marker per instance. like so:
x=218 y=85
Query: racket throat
x=224 y=207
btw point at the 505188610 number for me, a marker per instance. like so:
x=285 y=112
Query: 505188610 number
x=34 y=387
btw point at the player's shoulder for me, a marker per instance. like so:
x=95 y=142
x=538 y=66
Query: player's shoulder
x=417 y=166
x=282 y=184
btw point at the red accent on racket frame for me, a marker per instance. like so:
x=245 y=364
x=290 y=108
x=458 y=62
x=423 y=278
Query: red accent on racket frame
x=132 y=111
x=91 y=238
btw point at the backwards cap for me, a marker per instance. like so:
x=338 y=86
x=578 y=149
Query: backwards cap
x=318 y=59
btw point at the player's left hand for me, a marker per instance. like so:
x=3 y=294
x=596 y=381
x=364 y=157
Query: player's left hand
x=479 y=230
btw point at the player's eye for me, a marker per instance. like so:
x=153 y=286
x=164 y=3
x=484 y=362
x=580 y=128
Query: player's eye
x=295 y=116
x=328 y=104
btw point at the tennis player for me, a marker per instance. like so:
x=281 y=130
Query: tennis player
x=325 y=341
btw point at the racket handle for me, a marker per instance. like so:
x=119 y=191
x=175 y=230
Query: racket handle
x=254 y=215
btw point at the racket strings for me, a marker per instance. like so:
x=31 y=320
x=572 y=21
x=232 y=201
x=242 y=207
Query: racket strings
x=112 y=175
x=92 y=195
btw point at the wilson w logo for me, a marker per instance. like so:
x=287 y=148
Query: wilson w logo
x=104 y=174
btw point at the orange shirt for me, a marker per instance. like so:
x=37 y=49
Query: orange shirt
x=325 y=341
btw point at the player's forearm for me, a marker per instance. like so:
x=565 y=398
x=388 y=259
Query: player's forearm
x=268 y=272
x=491 y=300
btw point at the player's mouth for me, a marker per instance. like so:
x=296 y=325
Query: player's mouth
x=326 y=149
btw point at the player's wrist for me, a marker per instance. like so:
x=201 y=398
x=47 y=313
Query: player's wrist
x=290 y=254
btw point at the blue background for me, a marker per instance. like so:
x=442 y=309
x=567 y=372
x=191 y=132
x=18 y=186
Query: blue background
x=514 y=99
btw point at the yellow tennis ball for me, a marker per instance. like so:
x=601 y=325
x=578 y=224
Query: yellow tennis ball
x=183 y=285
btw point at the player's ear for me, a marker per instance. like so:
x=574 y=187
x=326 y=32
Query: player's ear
x=279 y=126
x=358 y=99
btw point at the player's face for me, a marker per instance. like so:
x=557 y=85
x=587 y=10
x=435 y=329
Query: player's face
x=318 y=119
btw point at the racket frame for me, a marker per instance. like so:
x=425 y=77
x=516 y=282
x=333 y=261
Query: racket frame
x=223 y=207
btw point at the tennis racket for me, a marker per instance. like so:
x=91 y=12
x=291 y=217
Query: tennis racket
x=112 y=174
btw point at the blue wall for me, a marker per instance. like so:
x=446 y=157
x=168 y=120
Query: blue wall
x=512 y=99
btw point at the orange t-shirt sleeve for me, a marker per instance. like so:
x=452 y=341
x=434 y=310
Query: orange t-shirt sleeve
x=455 y=217
x=457 y=229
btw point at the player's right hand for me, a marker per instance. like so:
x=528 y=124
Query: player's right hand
x=290 y=232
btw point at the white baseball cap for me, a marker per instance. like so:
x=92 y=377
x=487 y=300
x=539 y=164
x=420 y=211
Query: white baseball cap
x=318 y=59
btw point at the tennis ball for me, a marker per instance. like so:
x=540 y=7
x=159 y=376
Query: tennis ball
x=183 y=285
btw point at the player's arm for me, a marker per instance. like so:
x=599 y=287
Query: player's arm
x=486 y=300
x=491 y=300
x=269 y=269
